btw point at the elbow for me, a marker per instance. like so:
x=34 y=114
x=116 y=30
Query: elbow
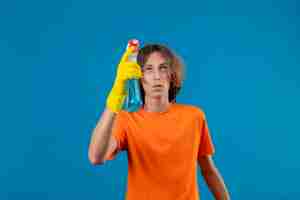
x=95 y=159
x=95 y=162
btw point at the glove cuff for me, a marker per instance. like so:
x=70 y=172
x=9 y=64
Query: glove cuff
x=114 y=102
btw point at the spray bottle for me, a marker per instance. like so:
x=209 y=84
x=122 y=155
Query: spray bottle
x=133 y=100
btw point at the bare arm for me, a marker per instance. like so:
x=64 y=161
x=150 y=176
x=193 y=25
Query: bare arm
x=102 y=141
x=213 y=178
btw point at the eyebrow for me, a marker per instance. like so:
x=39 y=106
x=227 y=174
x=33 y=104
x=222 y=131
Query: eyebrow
x=165 y=63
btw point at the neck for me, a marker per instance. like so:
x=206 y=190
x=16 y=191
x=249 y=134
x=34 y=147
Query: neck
x=156 y=104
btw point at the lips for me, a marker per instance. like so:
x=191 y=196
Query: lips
x=157 y=86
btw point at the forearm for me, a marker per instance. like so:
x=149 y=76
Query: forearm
x=101 y=136
x=216 y=184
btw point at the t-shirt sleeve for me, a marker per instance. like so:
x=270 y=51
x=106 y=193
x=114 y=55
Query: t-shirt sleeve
x=206 y=146
x=119 y=134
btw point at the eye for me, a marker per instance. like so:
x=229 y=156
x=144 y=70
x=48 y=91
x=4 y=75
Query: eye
x=147 y=68
x=164 y=67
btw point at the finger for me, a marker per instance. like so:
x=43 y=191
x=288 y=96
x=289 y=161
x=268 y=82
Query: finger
x=136 y=66
x=134 y=73
x=137 y=69
x=130 y=65
x=134 y=77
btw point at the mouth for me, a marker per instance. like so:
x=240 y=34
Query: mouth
x=157 y=86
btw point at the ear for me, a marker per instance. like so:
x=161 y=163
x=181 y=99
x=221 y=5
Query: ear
x=171 y=76
x=173 y=79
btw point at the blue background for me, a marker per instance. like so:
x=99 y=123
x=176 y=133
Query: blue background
x=58 y=59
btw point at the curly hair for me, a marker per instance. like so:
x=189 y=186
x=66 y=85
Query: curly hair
x=177 y=67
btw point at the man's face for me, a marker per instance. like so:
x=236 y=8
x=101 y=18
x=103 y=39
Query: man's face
x=156 y=76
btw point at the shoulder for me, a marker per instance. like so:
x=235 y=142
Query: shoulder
x=122 y=115
x=127 y=116
x=191 y=109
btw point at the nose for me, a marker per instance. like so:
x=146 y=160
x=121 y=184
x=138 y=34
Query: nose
x=157 y=75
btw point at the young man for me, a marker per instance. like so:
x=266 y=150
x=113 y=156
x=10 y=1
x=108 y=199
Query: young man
x=164 y=140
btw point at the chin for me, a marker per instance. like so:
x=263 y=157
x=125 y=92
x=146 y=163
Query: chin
x=158 y=95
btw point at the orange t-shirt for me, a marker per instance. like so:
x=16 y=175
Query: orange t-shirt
x=162 y=149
